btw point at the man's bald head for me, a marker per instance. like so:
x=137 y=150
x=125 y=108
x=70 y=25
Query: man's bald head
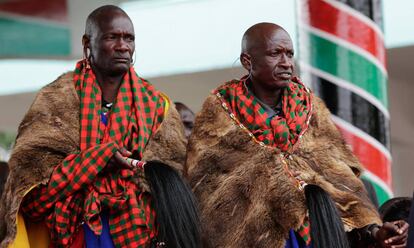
x=101 y=14
x=257 y=34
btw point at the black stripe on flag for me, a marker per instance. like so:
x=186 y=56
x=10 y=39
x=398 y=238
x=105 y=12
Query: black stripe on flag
x=354 y=109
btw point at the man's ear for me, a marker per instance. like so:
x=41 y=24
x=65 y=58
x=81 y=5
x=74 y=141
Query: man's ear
x=245 y=60
x=85 y=44
x=85 y=40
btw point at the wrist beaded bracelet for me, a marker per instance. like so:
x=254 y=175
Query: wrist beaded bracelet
x=135 y=163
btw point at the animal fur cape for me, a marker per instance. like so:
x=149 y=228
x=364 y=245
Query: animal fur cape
x=248 y=200
x=50 y=131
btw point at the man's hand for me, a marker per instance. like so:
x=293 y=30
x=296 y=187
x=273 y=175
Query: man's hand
x=118 y=160
x=392 y=234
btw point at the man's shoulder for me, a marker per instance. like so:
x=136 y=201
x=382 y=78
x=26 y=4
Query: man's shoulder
x=150 y=89
x=146 y=83
x=319 y=105
x=212 y=100
x=63 y=83
x=228 y=85
x=55 y=95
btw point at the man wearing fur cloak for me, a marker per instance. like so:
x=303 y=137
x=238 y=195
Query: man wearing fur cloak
x=93 y=153
x=268 y=166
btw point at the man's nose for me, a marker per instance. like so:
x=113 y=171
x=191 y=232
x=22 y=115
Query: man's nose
x=122 y=45
x=285 y=61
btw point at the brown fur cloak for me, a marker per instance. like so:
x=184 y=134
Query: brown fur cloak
x=248 y=200
x=50 y=131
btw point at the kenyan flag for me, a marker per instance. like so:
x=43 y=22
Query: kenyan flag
x=342 y=58
x=32 y=28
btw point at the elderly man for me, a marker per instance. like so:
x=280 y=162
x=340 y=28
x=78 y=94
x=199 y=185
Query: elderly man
x=269 y=167
x=77 y=169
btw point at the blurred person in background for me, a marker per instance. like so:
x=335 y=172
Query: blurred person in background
x=98 y=156
x=187 y=117
x=410 y=243
x=4 y=172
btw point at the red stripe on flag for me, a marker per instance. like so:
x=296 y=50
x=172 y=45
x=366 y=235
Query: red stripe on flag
x=372 y=158
x=326 y=17
x=54 y=10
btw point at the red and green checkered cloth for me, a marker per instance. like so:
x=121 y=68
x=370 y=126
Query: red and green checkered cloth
x=304 y=231
x=80 y=187
x=280 y=131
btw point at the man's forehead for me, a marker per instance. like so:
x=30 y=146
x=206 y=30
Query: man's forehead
x=115 y=23
x=277 y=39
x=280 y=38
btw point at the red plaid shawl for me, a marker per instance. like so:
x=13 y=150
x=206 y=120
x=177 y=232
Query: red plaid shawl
x=79 y=188
x=281 y=131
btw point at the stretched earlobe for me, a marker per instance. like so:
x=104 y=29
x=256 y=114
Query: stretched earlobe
x=86 y=57
x=86 y=52
x=245 y=60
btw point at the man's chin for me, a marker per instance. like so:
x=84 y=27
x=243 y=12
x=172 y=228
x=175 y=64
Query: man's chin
x=119 y=69
x=282 y=83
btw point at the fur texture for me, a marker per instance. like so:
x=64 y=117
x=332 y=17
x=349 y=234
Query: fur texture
x=50 y=131
x=246 y=197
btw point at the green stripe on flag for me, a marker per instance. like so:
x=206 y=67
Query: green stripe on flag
x=345 y=64
x=382 y=195
x=22 y=38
